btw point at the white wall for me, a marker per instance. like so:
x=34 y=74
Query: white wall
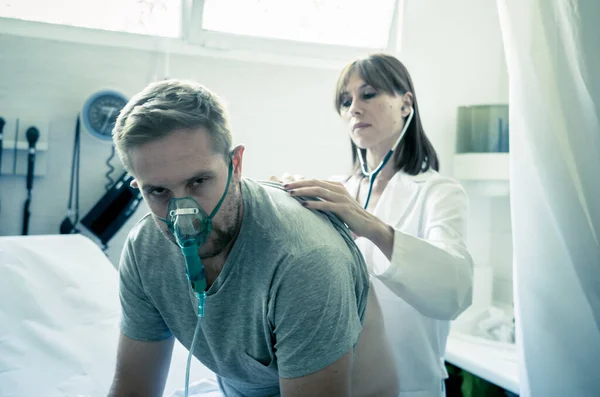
x=283 y=114
x=454 y=52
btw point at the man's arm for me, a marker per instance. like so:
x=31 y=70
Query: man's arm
x=332 y=381
x=142 y=368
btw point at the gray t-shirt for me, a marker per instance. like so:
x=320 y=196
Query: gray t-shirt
x=289 y=301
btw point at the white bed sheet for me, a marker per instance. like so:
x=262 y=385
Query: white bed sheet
x=59 y=320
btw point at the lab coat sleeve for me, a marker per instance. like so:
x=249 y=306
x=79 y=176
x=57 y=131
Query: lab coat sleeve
x=434 y=274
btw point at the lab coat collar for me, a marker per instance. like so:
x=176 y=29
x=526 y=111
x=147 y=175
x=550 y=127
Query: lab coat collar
x=421 y=177
x=399 y=197
x=353 y=182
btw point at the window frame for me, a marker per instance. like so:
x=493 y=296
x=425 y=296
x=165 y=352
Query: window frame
x=196 y=41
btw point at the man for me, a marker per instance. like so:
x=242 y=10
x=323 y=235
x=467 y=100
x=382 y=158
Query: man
x=284 y=291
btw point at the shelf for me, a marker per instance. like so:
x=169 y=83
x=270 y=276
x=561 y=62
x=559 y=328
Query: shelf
x=14 y=160
x=495 y=362
x=482 y=166
x=486 y=174
x=23 y=145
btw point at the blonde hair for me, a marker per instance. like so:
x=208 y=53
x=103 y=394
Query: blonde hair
x=169 y=105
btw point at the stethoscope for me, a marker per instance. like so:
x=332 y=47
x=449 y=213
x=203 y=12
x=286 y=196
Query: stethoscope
x=373 y=175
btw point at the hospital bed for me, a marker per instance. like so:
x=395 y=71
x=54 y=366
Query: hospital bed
x=59 y=321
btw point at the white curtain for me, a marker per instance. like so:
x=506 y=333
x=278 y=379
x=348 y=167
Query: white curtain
x=553 y=56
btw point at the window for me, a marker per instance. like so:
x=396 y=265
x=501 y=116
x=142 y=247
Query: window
x=353 y=23
x=147 y=17
x=309 y=32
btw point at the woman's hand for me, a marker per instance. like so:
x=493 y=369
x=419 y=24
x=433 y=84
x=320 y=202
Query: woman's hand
x=336 y=199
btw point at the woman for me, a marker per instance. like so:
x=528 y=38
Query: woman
x=409 y=221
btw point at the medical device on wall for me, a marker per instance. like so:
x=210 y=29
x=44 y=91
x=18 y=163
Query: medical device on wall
x=120 y=200
x=32 y=134
x=23 y=148
x=373 y=174
x=113 y=209
x=69 y=224
x=99 y=115
x=2 y=124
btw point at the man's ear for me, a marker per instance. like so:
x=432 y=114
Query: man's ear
x=236 y=157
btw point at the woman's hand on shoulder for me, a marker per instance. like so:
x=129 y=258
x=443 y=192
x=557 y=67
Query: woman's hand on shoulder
x=335 y=198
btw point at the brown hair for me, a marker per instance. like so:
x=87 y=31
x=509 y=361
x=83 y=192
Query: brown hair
x=383 y=72
x=169 y=105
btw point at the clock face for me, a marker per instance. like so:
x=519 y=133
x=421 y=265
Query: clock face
x=102 y=114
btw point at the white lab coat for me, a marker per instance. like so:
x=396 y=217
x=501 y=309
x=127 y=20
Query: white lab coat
x=429 y=280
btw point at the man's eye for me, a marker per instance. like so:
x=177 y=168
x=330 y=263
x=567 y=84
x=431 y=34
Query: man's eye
x=346 y=103
x=157 y=191
x=199 y=182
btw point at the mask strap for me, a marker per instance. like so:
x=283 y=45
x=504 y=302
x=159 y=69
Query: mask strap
x=230 y=172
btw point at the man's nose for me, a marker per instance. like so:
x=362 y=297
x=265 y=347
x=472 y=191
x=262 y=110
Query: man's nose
x=180 y=193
